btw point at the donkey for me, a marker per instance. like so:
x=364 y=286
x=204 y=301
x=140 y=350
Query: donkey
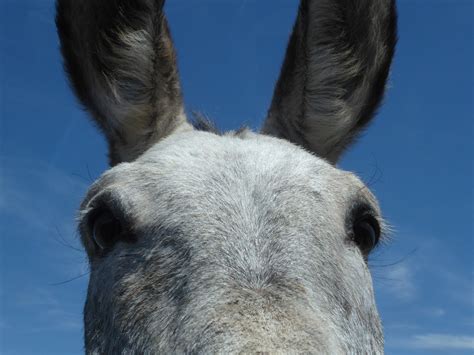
x=200 y=242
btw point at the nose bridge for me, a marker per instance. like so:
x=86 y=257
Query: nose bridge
x=264 y=321
x=258 y=305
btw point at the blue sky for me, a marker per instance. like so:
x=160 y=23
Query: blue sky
x=417 y=157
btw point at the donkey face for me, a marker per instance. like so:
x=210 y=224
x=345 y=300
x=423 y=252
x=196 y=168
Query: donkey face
x=240 y=242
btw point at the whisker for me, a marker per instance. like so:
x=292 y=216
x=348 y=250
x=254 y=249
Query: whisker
x=80 y=177
x=401 y=260
x=61 y=240
x=70 y=280
x=89 y=173
x=376 y=176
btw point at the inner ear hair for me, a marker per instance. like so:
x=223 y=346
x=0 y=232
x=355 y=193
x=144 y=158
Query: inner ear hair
x=122 y=65
x=334 y=74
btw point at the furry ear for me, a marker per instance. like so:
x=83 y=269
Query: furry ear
x=122 y=65
x=334 y=74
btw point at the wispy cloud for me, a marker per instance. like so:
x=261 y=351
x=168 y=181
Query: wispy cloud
x=38 y=200
x=37 y=297
x=436 y=312
x=47 y=312
x=441 y=342
x=27 y=184
x=37 y=208
x=461 y=286
x=401 y=283
x=433 y=312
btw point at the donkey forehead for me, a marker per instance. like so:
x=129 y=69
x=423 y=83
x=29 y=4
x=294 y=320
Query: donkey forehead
x=193 y=167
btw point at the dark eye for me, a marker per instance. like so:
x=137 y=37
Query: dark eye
x=366 y=233
x=106 y=230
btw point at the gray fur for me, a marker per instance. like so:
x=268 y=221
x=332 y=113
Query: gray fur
x=235 y=252
x=221 y=243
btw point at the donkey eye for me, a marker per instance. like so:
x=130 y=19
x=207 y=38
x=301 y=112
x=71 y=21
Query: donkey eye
x=366 y=233
x=106 y=230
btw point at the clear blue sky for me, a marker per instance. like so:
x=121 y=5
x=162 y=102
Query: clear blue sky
x=417 y=157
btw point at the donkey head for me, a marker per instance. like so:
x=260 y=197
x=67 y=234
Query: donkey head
x=240 y=242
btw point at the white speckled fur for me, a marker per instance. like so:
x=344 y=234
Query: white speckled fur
x=269 y=267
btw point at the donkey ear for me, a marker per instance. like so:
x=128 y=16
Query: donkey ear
x=334 y=74
x=122 y=65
